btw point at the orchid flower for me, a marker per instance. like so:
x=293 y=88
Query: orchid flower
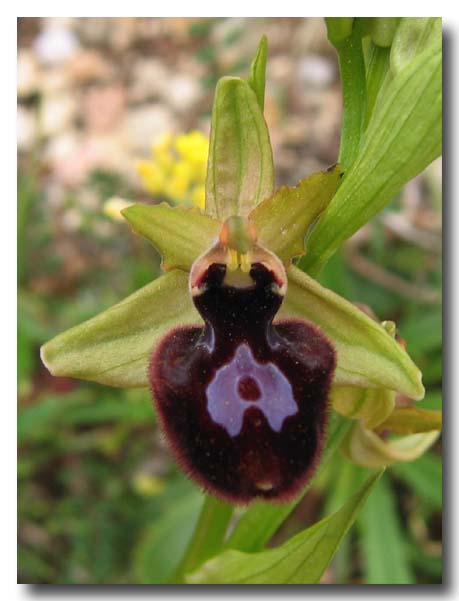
x=242 y=351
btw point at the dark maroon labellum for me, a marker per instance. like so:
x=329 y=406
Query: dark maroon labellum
x=243 y=402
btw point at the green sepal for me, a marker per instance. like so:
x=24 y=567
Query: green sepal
x=258 y=72
x=301 y=560
x=414 y=35
x=367 y=355
x=282 y=221
x=364 y=447
x=402 y=138
x=240 y=172
x=371 y=405
x=113 y=348
x=180 y=235
x=412 y=420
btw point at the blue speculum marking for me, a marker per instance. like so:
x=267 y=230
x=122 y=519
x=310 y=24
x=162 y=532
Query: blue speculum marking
x=226 y=404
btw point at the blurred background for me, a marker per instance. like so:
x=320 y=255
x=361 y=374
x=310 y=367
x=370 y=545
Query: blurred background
x=105 y=108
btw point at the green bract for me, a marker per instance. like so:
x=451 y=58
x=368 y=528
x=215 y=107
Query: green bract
x=403 y=136
x=414 y=36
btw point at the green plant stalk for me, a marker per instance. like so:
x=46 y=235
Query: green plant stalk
x=377 y=68
x=353 y=84
x=207 y=537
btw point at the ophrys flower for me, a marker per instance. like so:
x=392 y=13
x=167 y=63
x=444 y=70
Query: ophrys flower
x=238 y=346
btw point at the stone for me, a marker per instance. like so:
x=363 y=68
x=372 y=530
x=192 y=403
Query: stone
x=281 y=68
x=103 y=108
x=55 y=43
x=25 y=128
x=55 y=80
x=149 y=79
x=143 y=124
x=182 y=92
x=314 y=70
x=57 y=113
x=28 y=73
x=87 y=66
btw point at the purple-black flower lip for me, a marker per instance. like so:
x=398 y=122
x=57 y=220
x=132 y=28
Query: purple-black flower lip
x=187 y=465
x=235 y=447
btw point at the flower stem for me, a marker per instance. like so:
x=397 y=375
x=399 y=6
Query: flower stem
x=353 y=82
x=207 y=537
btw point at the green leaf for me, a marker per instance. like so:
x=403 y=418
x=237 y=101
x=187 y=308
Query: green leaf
x=301 y=560
x=41 y=420
x=113 y=348
x=240 y=171
x=426 y=561
x=414 y=35
x=424 y=476
x=282 y=221
x=403 y=137
x=367 y=355
x=432 y=400
x=262 y=519
x=180 y=235
x=383 y=549
x=165 y=539
x=258 y=71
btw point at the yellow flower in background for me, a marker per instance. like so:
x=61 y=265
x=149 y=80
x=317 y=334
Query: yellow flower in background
x=177 y=169
x=199 y=196
x=147 y=485
x=113 y=207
